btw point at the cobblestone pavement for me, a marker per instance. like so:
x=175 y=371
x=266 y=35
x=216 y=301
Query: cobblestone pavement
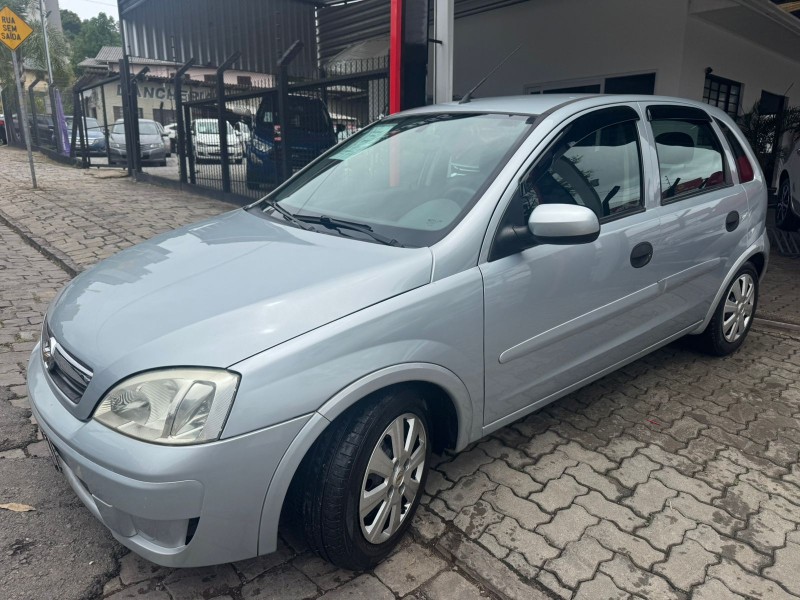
x=676 y=477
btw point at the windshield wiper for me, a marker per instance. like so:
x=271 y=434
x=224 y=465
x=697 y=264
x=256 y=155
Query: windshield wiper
x=287 y=215
x=339 y=224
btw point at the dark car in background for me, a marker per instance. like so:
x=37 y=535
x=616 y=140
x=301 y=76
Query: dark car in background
x=152 y=147
x=3 y=136
x=94 y=135
x=310 y=131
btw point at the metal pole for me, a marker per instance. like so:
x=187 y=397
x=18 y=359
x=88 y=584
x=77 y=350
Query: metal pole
x=179 y=113
x=443 y=27
x=46 y=42
x=187 y=118
x=222 y=122
x=283 y=110
x=50 y=81
x=24 y=117
x=34 y=116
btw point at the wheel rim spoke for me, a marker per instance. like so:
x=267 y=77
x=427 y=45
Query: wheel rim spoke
x=380 y=464
x=411 y=439
x=371 y=499
x=398 y=441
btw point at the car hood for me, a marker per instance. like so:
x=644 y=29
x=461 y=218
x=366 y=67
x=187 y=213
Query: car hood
x=215 y=293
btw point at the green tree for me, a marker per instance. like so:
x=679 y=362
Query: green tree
x=95 y=33
x=72 y=24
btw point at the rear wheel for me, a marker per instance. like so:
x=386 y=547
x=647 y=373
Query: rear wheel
x=734 y=315
x=364 y=479
x=784 y=217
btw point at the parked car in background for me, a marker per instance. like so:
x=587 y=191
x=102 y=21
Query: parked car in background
x=151 y=144
x=95 y=136
x=311 y=133
x=172 y=130
x=439 y=275
x=206 y=141
x=787 y=211
x=165 y=138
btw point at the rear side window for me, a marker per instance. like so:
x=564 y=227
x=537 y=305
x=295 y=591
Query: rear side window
x=743 y=165
x=690 y=157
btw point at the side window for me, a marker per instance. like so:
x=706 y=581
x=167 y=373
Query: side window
x=743 y=166
x=690 y=157
x=595 y=162
x=601 y=170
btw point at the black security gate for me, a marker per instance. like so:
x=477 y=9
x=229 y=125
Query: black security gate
x=249 y=142
x=90 y=125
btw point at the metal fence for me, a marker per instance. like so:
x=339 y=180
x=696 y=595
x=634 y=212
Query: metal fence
x=46 y=108
x=251 y=141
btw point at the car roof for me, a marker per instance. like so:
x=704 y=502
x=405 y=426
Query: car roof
x=537 y=104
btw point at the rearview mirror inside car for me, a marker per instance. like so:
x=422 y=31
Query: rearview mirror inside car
x=564 y=224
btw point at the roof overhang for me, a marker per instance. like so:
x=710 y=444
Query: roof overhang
x=125 y=6
x=759 y=21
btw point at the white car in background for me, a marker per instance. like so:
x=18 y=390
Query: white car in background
x=787 y=211
x=172 y=130
x=206 y=142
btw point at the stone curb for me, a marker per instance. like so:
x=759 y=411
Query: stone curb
x=54 y=255
x=769 y=324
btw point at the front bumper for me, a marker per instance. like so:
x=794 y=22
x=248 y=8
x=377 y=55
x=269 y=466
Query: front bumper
x=215 y=153
x=175 y=506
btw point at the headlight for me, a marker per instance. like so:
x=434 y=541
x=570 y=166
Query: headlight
x=174 y=406
x=115 y=145
x=261 y=145
x=154 y=146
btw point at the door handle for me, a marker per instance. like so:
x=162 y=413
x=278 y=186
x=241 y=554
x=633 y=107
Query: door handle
x=641 y=255
x=732 y=221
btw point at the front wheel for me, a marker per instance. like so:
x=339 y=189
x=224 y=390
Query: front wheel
x=784 y=217
x=734 y=314
x=364 y=479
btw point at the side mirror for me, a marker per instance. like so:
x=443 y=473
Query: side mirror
x=564 y=224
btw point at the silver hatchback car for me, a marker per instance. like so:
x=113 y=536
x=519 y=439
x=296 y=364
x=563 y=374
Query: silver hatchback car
x=441 y=274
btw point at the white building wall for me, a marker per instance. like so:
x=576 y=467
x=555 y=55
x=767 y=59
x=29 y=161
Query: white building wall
x=736 y=58
x=571 y=40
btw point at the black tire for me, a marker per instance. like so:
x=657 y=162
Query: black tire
x=336 y=469
x=784 y=217
x=712 y=340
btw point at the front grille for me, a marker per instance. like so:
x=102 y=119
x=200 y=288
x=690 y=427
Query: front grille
x=67 y=373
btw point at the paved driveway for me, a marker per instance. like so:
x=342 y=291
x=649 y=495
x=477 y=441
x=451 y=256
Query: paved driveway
x=676 y=477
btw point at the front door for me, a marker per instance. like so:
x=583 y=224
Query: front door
x=557 y=315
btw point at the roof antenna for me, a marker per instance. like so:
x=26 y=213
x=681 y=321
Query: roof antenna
x=468 y=97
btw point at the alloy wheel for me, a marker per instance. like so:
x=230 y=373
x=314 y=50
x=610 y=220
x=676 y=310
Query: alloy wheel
x=392 y=480
x=738 y=310
x=783 y=207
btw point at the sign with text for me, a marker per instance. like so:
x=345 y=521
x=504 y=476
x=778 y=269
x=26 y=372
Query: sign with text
x=13 y=30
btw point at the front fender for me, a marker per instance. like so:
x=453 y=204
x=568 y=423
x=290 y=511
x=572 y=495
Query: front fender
x=430 y=373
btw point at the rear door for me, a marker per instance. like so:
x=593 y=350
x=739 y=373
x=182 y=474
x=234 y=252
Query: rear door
x=703 y=209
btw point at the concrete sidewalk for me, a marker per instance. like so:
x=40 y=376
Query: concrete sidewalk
x=675 y=477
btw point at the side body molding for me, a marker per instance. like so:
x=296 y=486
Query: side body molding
x=468 y=430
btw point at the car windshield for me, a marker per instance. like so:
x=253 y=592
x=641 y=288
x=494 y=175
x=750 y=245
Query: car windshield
x=211 y=127
x=410 y=179
x=145 y=128
x=148 y=128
